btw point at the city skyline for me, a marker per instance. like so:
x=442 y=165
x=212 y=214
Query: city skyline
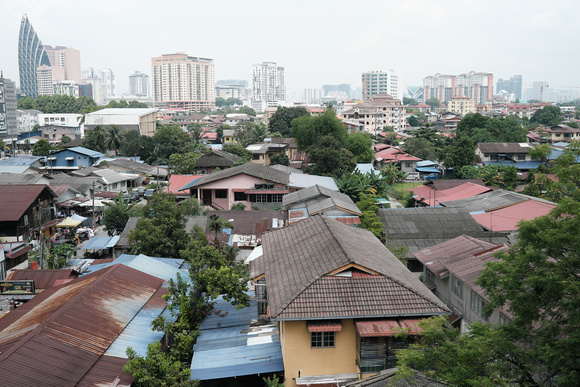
x=329 y=44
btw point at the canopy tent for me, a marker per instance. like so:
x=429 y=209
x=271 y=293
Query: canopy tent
x=69 y=222
x=78 y=217
x=98 y=203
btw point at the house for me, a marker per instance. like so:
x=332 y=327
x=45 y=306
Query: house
x=339 y=296
x=43 y=278
x=25 y=209
x=178 y=181
x=208 y=162
x=490 y=201
x=145 y=171
x=393 y=154
x=229 y=137
x=425 y=195
x=380 y=111
x=116 y=182
x=250 y=184
x=489 y=152
x=77 y=333
x=263 y=152
x=71 y=159
x=315 y=200
x=451 y=269
x=507 y=218
x=13 y=256
x=420 y=228
x=563 y=133
x=21 y=164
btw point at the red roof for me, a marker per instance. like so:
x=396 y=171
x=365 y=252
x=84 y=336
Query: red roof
x=507 y=218
x=433 y=197
x=377 y=328
x=324 y=326
x=16 y=199
x=178 y=181
x=395 y=154
x=43 y=279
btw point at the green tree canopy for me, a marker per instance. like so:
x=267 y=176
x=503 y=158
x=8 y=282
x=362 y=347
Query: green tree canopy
x=280 y=159
x=238 y=150
x=170 y=139
x=308 y=130
x=41 y=148
x=183 y=164
x=281 y=120
x=329 y=158
x=421 y=148
x=52 y=104
x=433 y=102
x=361 y=146
x=116 y=215
x=410 y=101
x=413 y=121
x=460 y=154
x=95 y=139
x=547 y=116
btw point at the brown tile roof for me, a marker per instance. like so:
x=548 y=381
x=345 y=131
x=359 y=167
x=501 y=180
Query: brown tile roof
x=251 y=169
x=216 y=158
x=65 y=330
x=43 y=279
x=298 y=259
x=503 y=147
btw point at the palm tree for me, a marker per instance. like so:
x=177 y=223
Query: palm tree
x=216 y=224
x=113 y=139
x=99 y=136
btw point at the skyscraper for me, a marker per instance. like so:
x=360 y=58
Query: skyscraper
x=103 y=84
x=31 y=55
x=8 y=116
x=183 y=82
x=512 y=85
x=381 y=82
x=68 y=59
x=139 y=84
x=267 y=84
x=477 y=86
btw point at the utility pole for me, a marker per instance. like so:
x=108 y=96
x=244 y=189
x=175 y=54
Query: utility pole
x=40 y=236
x=93 y=194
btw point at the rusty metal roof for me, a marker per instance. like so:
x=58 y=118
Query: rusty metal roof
x=64 y=331
x=43 y=279
x=16 y=199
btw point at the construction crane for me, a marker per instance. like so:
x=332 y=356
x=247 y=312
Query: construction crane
x=544 y=84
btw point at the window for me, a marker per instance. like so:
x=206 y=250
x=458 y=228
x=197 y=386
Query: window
x=477 y=305
x=521 y=157
x=457 y=287
x=322 y=339
x=221 y=193
x=239 y=196
x=503 y=320
x=407 y=165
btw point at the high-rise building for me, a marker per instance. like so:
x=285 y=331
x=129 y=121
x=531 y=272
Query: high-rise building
x=415 y=92
x=313 y=96
x=381 y=82
x=67 y=58
x=512 y=85
x=477 y=86
x=31 y=55
x=8 y=115
x=183 y=82
x=329 y=90
x=103 y=84
x=267 y=84
x=139 y=84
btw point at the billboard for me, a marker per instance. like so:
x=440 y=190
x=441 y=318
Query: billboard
x=16 y=287
x=3 y=119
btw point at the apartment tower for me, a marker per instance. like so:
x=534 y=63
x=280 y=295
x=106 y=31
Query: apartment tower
x=183 y=82
x=475 y=85
x=381 y=82
x=267 y=85
x=139 y=84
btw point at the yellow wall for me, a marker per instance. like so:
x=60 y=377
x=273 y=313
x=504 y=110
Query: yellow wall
x=298 y=355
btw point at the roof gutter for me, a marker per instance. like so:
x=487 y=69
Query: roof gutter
x=363 y=316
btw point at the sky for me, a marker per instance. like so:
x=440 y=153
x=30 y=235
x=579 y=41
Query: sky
x=317 y=41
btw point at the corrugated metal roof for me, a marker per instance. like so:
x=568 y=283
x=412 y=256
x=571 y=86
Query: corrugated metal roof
x=16 y=199
x=64 y=330
x=507 y=218
x=43 y=279
x=230 y=346
x=101 y=242
x=164 y=268
x=302 y=180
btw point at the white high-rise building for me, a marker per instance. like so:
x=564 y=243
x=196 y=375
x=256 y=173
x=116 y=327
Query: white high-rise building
x=183 y=82
x=139 y=84
x=267 y=85
x=103 y=82
x=381 y=82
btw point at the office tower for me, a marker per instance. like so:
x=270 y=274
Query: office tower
x=512 y=85
x=8 y=115
x=313 y=96
x=232 y=82
x=103 y=84
x=381 y=82
x=31 y=55
x=330 y=90
x=183 y=82
x=475 y=85
x=139 y=84
x=85 y=90
x=268 y=83
x=69 y=59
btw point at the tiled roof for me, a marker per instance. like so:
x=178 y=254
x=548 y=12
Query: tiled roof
x=427 y=222
x=503 y=147
x=178 y=181
x=216 y=158
x=441 y=184
x=16 y=199
x=297 y=260
x=490 y=200
x=251 y=169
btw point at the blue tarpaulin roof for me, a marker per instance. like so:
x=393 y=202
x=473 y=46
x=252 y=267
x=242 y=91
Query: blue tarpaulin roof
x=230 y=346
x=427 y=170
x=101 y=243
x=522 y=165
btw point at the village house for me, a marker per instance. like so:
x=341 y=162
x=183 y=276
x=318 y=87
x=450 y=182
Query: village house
x=339 y=297
x=209 y=162
x=71 y=159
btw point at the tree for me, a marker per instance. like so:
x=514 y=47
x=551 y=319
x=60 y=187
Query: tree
x=116 y=215
x=460 y=154
x=413 y=121
x=247 y=110
x=410 y=101
x=170 y=139
x=361 y=146
x=41 y=148
x=216 y=225
x=357 y=183
x=433 y=102
x=183 y=164
x=281 y=120
x=469 y=122
x=95 y=139
x=369 y=219
x=195 y=129
x=238 y=150
x=280 y=159
x=547 y=116
x=113 y=139
x=309 y=130
x=329 y=158
x=65 y=139
x=161 y=231
x=135 y=145
x=59 y=255
x=421 y=148
x=250 y=132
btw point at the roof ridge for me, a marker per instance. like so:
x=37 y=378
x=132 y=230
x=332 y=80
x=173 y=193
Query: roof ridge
x=338 y=241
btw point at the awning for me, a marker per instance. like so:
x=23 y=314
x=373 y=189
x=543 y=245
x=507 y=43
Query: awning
x=78 y=217
x=69 y=222
x=265 y=191
x=427 y=170
x=380 y=328
x=101 y=243
x=324 y=326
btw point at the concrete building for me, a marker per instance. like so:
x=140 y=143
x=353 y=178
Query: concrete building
x=182 y=81
x=45 y=76
x=67 y=58
x=378 y=112
x=381 y=82
x=232 y=91
x=31 y=55
x=461 y=104
x=415 y=92
x=103 y=83
x=512 y=85
x=267 y=85
x=142 y=120
x=477 y=86
x=27 y=119
x=139 y=84
x=344 y=87
x=8 y=116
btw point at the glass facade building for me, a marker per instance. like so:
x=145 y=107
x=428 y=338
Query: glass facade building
x=31 y=55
